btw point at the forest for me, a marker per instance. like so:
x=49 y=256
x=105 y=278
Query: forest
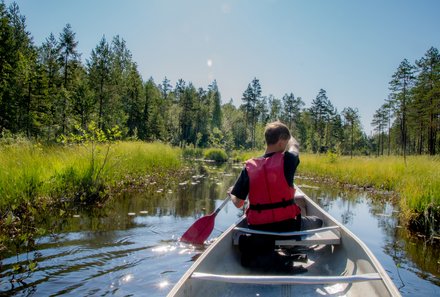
x=49 y=91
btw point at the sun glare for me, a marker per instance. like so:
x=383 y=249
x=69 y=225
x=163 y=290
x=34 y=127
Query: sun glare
x=209 y=63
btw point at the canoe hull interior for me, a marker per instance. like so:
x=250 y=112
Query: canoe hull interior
x=351 y=257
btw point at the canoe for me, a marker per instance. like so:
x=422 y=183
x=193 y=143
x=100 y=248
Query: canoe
x=338 y=264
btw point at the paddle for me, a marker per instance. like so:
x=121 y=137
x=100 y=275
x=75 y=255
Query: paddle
x=202 y=228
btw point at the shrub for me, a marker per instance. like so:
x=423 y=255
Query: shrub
x=216 y=154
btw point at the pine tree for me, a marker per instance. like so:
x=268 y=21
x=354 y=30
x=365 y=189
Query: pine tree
x=351 y=116
x=187 y=115
x=428 y=94
x=69 y=58
x=400 y=86
x=321 y=112
x=98 y=67
x=153 y=124
x=6 y=66
x=83 y=100
x=275 y=106
x=215 y=99
x=133 y=100
x=292 y=110
x=380 y=123
x=68 y=50
x=251 y=98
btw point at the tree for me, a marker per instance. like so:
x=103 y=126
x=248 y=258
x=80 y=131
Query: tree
x=69 y=59
x=83 y=102
x=428 y=93
x=275 y=107
x=400 y=86
x=133 y=100
x=187 y=115
x=251 y=98
x=49 y=53
x=292 y=110
x=7 y=60
x=215 y=99
x=153 y=124
x=321 y=112
x=380 y=122
x=351 y=116
x=18 y=66
x=99 y=67
x=68 y=51
x=234 y=126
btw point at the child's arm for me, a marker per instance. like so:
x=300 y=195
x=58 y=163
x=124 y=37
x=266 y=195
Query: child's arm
x=293 y=146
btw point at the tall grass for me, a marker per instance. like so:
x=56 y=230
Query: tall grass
x=35 y=180
x=417 y=182
x=29 y=170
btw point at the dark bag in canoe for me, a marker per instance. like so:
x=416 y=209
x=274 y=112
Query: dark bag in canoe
x=258 y=252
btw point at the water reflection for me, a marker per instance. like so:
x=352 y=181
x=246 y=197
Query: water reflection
x=131 y=246
x=412 y=263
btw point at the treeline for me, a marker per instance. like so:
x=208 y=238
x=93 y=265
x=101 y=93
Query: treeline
x=47 y=91
x=409 y=120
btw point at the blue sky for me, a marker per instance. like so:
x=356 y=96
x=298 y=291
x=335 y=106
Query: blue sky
x=349 y=48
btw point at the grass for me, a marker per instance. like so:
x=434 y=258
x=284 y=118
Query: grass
x=30 y=170
x=417 y=182
x=36 y=180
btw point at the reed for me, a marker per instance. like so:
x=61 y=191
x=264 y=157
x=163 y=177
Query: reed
x=417 y=182
x=31 y=170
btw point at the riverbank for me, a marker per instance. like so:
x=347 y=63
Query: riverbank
x=36 y=179
x=416 y=183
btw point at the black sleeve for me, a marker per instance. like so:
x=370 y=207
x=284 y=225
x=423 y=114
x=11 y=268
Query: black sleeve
x=291 y=162
x=241 y=187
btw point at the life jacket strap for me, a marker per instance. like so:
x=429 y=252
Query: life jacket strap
x=260 y=207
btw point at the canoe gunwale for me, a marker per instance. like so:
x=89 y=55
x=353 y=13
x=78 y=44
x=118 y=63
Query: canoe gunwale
x=285 y=279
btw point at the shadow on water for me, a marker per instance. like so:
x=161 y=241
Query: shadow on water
x=131 y=247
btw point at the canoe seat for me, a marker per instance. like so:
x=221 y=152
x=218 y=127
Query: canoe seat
x=326 y=236
x=285 y=280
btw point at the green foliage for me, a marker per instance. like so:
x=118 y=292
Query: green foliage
x=417 y=183
x=244 y=155
x=216 y=154
x=332 y=157
x=189 y=152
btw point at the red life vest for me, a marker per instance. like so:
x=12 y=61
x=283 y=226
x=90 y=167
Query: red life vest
x=270 y=196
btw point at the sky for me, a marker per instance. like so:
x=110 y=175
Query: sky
x=351 y=49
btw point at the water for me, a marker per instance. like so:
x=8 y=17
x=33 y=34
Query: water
x=131 y=247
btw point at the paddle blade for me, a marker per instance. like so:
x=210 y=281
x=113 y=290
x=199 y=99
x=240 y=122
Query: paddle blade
x=200 y=230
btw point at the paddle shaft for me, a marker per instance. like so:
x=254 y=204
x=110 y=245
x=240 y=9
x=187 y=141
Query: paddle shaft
x=222 y=205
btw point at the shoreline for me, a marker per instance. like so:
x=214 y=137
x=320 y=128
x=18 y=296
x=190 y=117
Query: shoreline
x=415 y=187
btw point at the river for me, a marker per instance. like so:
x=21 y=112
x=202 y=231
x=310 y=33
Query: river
x=131 y=247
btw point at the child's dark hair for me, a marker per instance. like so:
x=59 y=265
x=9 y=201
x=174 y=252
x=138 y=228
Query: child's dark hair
x=275 y=131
